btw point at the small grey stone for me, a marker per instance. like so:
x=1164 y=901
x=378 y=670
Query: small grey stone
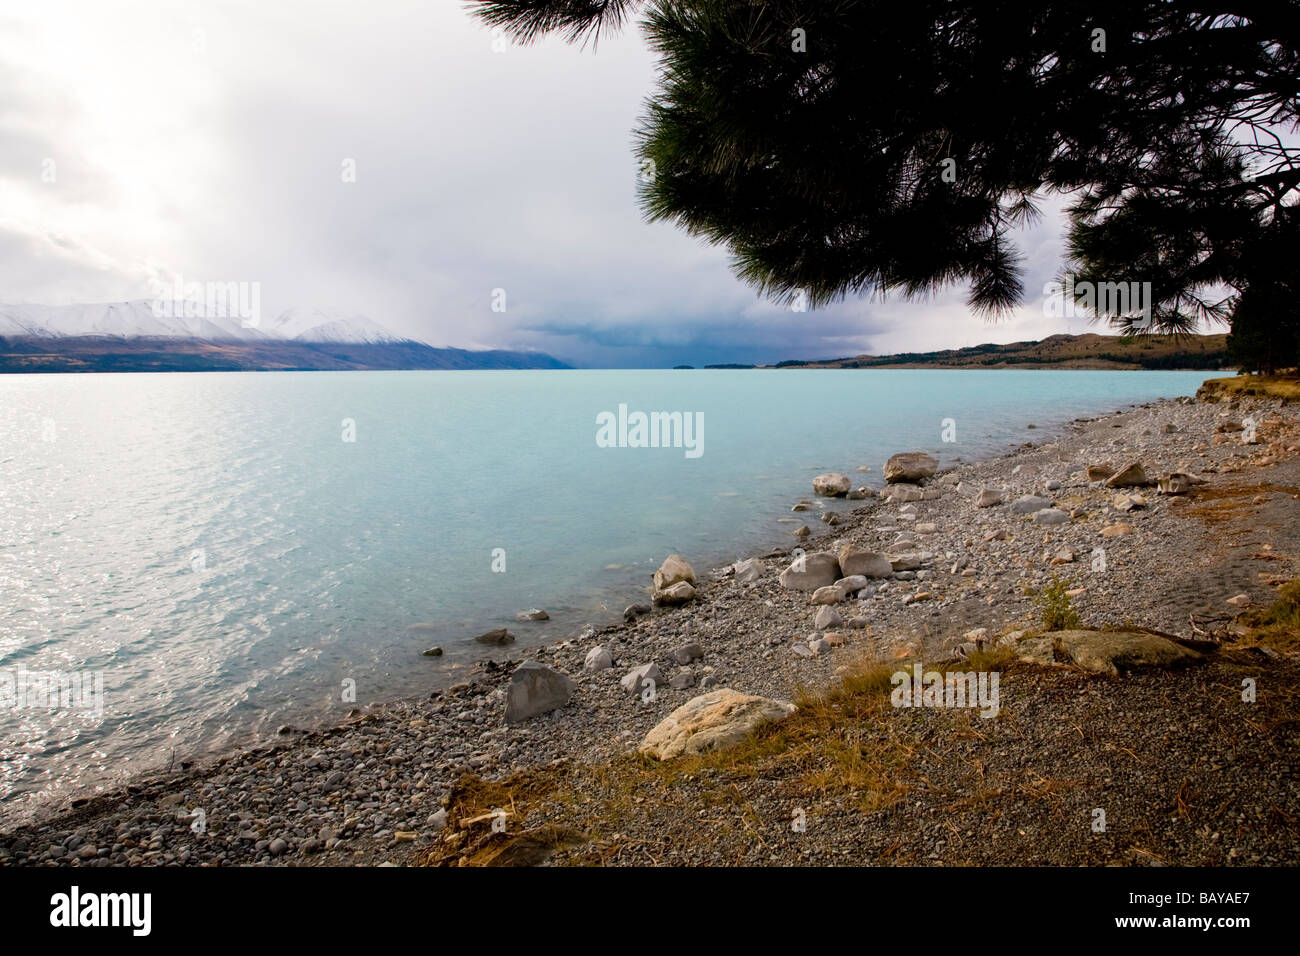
x=1050 y=516
x=687 y=653
x=535 y=689
x=640 y=677
x=827 y=618
x=1028 y=504
x=598 y=659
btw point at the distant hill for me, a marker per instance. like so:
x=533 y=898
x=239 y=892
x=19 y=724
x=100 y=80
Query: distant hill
x=1057 y=351
x=133 y=337
x=107 y=354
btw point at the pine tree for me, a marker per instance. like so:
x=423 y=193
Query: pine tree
x=847 y=147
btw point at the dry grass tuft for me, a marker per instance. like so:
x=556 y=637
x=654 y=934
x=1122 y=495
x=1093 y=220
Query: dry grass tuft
x=1278 y=625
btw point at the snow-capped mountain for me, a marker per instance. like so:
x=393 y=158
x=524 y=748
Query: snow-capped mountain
x=119 y=319
x=313 y=325
x=141 y=319
x=162 y=336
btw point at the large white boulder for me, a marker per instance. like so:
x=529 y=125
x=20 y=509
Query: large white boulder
x=714 y=721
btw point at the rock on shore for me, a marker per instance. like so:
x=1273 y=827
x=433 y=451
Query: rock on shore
x=1132 y=475
x=811 y=571
x=674 y=570
x=715 y=721
x=910 y=466
x=674 y=582
x=870 y=564
x=677 y=594
x=1106 y=652
x=534 y=689
x=832 y=485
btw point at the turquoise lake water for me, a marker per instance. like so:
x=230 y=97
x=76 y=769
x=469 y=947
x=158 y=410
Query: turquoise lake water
x=216 y=547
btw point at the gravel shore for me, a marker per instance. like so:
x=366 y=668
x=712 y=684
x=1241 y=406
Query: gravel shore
x=373 y=789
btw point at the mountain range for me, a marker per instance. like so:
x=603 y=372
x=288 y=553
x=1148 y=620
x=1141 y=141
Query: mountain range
x=140 y=336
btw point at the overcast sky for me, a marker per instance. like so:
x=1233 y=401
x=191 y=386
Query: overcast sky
x=208 y=140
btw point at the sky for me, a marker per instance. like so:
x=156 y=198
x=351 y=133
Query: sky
x=392 y=159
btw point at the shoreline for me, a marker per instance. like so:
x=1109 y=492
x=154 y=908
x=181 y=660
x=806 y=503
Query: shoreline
x=426 y=744
x=598 y=608
x=463 y=664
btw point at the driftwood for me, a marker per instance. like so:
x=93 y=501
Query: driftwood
x=1205 y=643
x=1211 y=626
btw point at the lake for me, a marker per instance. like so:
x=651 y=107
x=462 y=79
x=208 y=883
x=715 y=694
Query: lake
x=232 y=551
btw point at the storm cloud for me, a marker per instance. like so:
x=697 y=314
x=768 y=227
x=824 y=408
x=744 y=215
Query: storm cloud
x=390 y=159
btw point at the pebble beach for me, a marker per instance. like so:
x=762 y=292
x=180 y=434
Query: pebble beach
x=966 y=551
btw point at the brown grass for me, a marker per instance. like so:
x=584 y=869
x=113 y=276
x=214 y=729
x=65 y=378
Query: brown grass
x=1285 y=387
x=842 y=743
x=1278 y=625
x=1219 y=505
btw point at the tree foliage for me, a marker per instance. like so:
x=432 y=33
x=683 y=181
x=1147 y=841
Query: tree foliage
x=844 y=147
